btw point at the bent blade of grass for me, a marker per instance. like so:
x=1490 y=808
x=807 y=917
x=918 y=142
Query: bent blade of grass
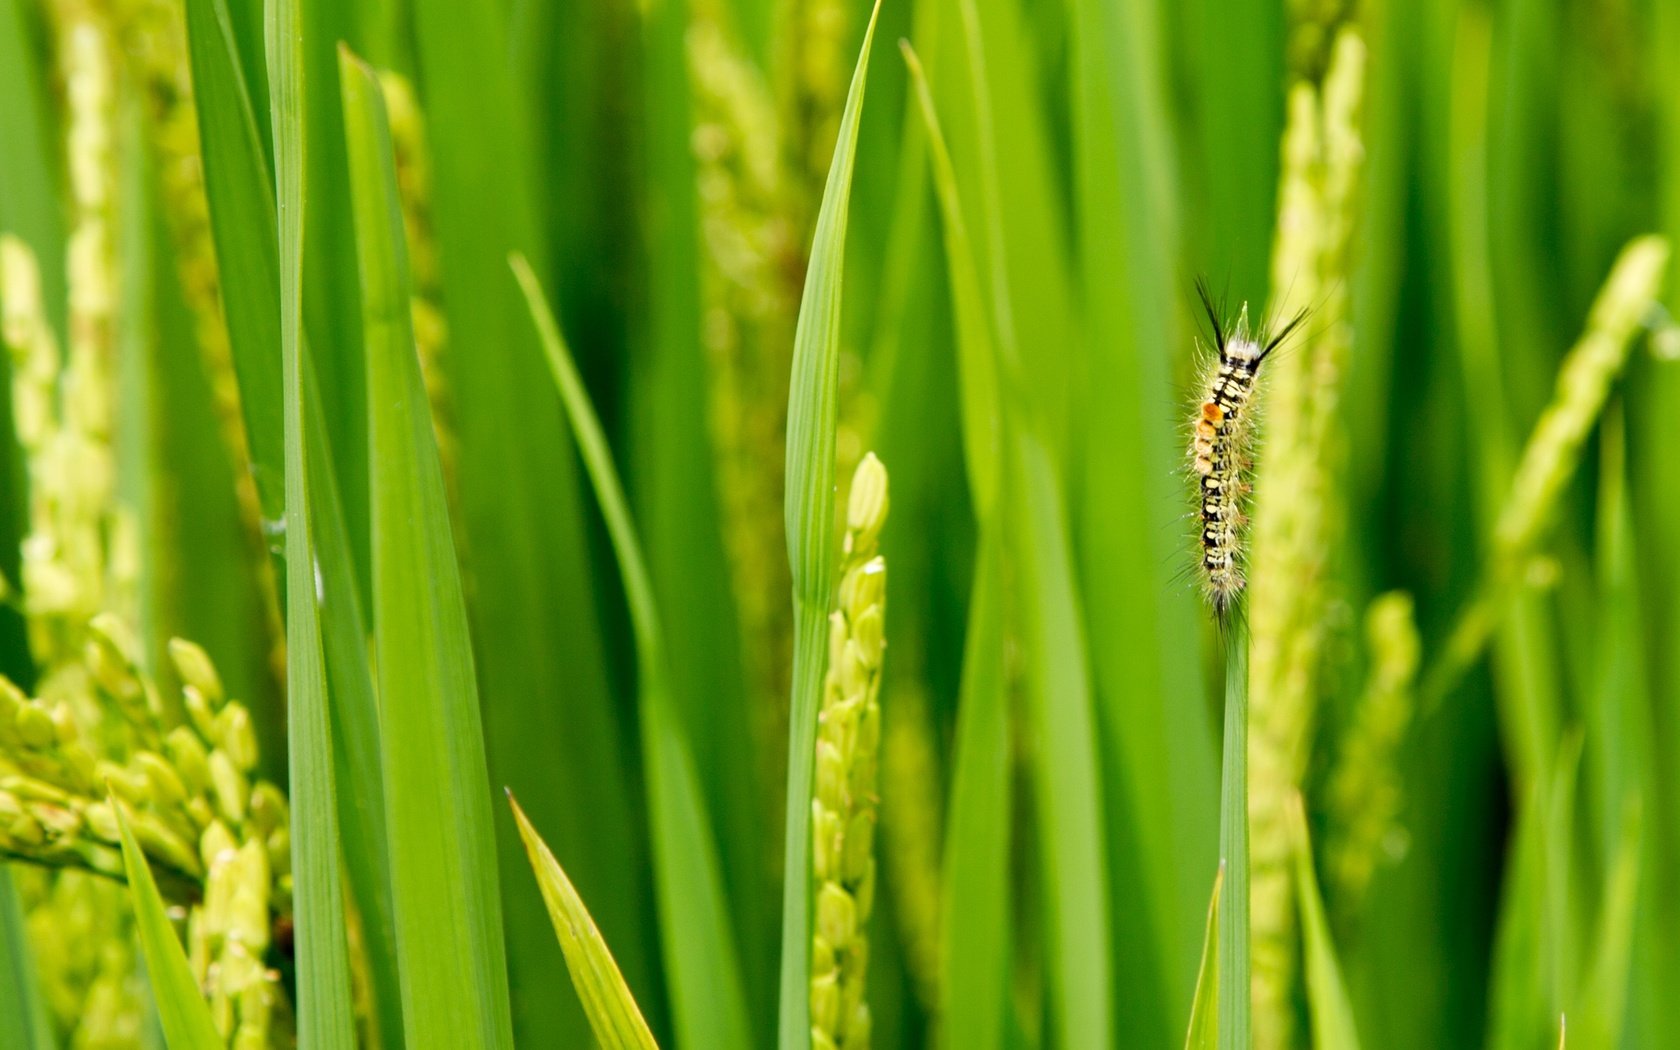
x=813 y=410
x=1327 y=995
x=1204 y=1005
x=1234 y=993
x=324 y=1017
x=438 y=813
x=187 y=1024
x=607 y=1002
x=700 y=950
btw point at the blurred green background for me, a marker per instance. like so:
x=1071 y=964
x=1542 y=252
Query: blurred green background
x=661 y=163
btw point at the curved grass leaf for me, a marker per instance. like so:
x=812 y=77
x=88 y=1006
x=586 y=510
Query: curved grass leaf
x=607 y=1002
x=438 y=813
x=700 y=952
x=324 y=1016
x=813 y=408
x=1204 y=1005
x=187 y=1024
x=1327 y=995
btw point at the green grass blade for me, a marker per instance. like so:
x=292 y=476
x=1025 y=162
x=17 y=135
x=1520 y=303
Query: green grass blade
x=977 y=371
x=323 y=961
x=1204 y=1005
x=673 y=475
x=241 y=194
x=355 y=726
x=544 y=659
x=975 y=951
x=1234 y=995
x=1146 y=630
x=813 y=409
x=1601 y=1002
x=443 y=860
x=700 y=952
x=1068 y=785
x=24 y=1020
x=607 y=1002
x=187 y=1024
x=1327 y=996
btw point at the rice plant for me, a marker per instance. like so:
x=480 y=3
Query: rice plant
x=834 y=523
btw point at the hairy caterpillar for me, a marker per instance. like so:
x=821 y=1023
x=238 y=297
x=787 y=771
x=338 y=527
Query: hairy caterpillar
x=1219 y=445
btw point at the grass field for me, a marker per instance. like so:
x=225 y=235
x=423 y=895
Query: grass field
x=704 y=523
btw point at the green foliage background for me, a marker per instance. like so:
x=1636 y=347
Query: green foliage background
x=1052 y=691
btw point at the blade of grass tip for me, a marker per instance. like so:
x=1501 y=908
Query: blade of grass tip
x=813 y=411
x=187 y=1024
x=24 y=1020
x=1327 y=996
x=700 y=951
x=243 y=225
x=977 y=371
x=1204 y=1005
x=438 y=814
x=1233 y=848
x=607 y=1002
x=324 y=1015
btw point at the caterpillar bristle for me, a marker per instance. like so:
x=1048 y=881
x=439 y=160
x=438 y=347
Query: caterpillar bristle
x=1220 y=434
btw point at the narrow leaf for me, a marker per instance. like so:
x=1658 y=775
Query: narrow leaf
x=1234 y=997
x=241 y=195
x=443 y=861
x=323 y=961
x=187 y=1024
x=813 y=408
x=24 y=1020
x=975 y=949
x=607 y=1001
x=1204 y=1006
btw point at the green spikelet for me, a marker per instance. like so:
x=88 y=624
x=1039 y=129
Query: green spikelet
x=848 y=746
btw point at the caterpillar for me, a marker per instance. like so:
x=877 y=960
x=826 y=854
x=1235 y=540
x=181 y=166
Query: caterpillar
x=1219 y=445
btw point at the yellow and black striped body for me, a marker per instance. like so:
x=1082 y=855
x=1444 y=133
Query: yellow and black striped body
x=1219 y=454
